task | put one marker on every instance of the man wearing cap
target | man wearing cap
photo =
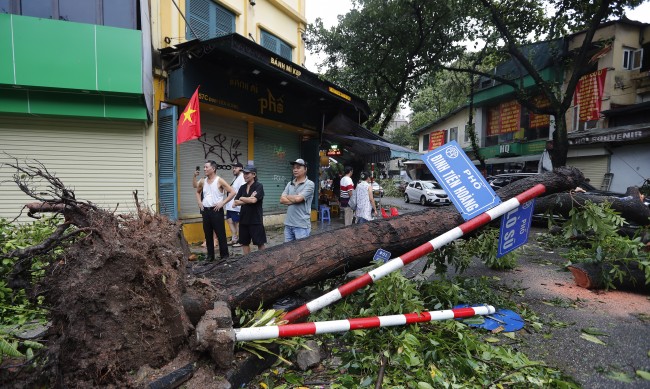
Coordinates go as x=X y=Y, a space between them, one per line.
x=298 y=196
x=249 y=198
x=232 y=211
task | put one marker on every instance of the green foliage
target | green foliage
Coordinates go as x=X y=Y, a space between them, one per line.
x=17 y=310
x=260 y=348
x=374 y=54
x=591 y=236
x=445 y=256
x=441 y=354
x=390 y=189
x=485 y=246
x=459 y=253
x=403 y=136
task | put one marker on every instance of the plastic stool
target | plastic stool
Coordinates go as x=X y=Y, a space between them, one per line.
x=324 y=213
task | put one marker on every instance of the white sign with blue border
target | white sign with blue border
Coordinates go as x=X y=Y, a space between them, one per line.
x=381 y=255
x=467 y=188
x=515 y=226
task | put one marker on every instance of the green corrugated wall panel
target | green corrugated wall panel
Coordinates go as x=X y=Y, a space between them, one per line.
x=21 y=101
x=14 y=101
x=54 y=54
x=119 y=53
x=48 y=53
x=125 y=107
x=51 y=103
x=6 y=52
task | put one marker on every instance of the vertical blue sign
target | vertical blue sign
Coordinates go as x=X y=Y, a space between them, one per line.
x=381 y=255
x=464 y=184
x=515 y=226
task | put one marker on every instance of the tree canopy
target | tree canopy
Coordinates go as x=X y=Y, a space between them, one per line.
x=388 y=51
x=383 y=50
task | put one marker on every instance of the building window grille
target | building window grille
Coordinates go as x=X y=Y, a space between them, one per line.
x=276 y=45
x=208 y=20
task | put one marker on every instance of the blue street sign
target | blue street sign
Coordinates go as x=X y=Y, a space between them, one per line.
x=465 y=185
x=515 y=226
x=382 y=255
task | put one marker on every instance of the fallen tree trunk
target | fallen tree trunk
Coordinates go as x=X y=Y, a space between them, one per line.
x=264 y=276
x=590 y=276
x=630 y=206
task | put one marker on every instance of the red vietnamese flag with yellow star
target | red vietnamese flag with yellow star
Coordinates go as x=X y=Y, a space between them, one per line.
x=189 y=123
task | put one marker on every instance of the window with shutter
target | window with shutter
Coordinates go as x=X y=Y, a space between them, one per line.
x=276 y=45
x=167 y=196
x=208 y=20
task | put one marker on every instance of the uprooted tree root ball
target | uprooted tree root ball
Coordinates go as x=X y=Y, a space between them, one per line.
x=115 y=292
x=116 y=300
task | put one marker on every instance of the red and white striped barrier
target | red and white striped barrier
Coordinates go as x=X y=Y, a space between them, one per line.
x=418 y=252
x=326 y=327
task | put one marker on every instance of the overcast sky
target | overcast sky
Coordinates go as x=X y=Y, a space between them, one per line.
x=328 y=10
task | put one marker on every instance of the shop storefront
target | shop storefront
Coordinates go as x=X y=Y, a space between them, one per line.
x=255 y=108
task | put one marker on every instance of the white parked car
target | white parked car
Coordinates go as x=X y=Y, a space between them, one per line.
x=426 y=192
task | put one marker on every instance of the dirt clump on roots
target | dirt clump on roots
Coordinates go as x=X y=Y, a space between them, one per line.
x=116 y=300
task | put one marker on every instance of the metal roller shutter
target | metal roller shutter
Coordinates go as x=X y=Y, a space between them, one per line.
x=274 y=149
x=102 y=161
x=593 y=168
x=225 y=142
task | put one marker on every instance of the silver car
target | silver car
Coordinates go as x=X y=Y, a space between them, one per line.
x=426 y=192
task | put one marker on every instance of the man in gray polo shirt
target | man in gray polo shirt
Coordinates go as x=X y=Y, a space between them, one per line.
x=298 y=196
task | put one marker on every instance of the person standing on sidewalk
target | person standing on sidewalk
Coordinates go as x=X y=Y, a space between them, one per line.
x=365 y=199
x=298 y=196
x=212 y=194
x=250 y=197
x=232 y=211
x=347 y=186
x=195 y=184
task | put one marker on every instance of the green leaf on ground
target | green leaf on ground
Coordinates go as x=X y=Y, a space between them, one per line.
x=643 y=374
x=510 y=335
x=492 y=339
x=474 y=320
x=592 y=339
x=620 y=376
x=593 y=331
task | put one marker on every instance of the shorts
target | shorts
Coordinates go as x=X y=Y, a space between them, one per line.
x=234 y=215
x=254 y=232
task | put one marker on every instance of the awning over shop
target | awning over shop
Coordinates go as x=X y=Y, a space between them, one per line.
x=237 y=74
x=362 y=143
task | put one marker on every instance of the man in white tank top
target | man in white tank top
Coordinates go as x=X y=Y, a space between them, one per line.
x=216 y=194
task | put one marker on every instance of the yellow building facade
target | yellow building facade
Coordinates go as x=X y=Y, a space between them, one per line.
x=258 y=104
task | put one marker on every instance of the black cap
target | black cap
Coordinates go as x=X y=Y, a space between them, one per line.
x=250 y=169
x=298 y=161
x=238 y=164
